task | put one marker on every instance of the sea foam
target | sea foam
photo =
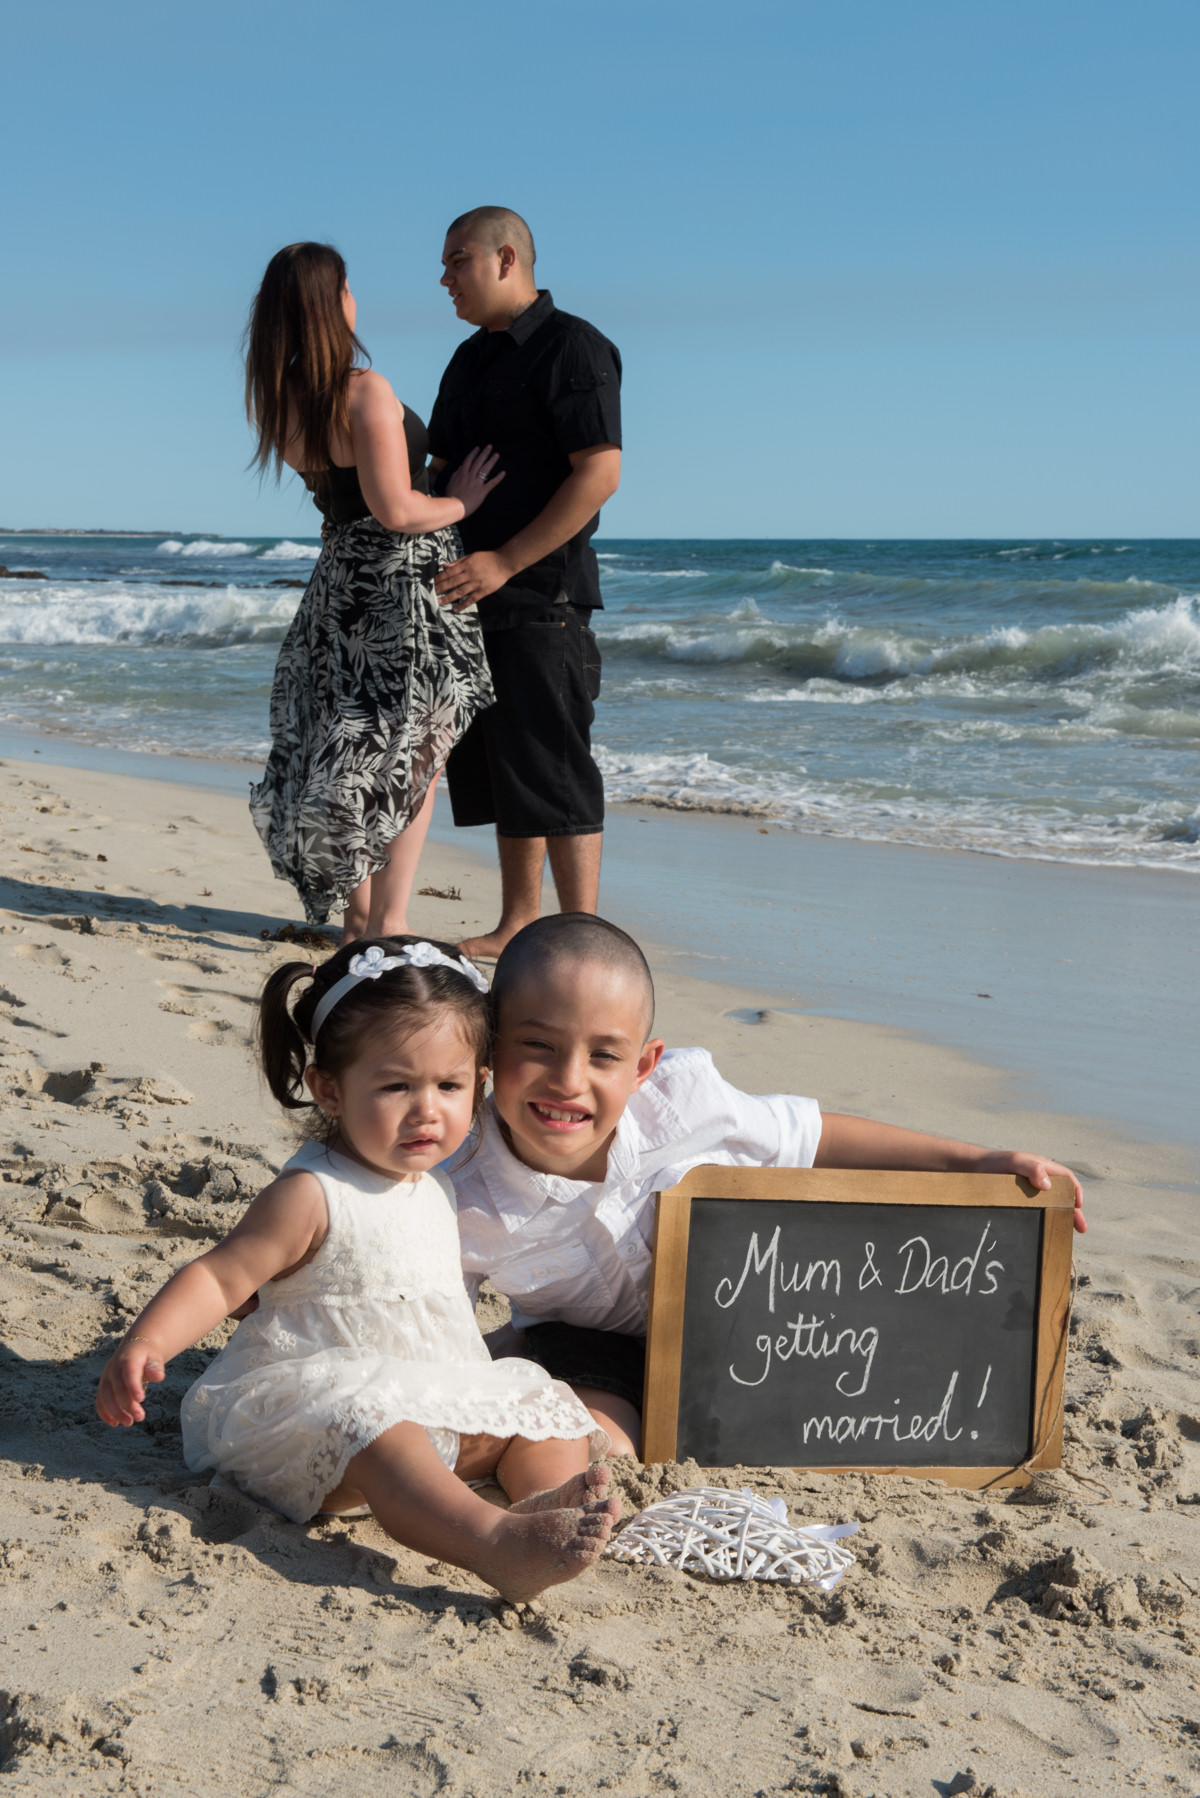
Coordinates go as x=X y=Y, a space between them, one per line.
x=202 y=547
x=59 y=615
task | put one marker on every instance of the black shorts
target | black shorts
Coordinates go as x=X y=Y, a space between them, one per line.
x=525 y=764
x=601 y=1358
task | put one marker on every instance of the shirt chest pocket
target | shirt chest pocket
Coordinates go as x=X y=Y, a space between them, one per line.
x=566 y=1264
x=509 y=406
x=635 y=1254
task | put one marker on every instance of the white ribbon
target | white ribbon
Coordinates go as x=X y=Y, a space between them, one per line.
x=373 y=962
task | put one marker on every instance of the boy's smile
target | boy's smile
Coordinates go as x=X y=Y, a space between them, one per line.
x=570 y=1050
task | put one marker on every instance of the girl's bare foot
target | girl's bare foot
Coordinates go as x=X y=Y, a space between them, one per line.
x=531 y=1551
x=581 y=1489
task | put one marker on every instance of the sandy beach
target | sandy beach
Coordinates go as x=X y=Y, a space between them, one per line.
x=159 y=1636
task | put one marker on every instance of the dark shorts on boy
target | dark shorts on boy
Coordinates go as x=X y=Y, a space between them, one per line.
x=600 y=1358
x=525 y=764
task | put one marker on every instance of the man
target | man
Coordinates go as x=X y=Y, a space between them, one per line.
x=543 y=388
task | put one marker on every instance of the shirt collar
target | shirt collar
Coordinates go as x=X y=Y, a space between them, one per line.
x=527 y=322
x=519 y=1192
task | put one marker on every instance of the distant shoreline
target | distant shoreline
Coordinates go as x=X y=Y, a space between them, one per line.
x=870 y=538
x=25 y=530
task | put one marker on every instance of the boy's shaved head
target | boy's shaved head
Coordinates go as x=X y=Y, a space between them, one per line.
x=493 y=225
x=566 y=939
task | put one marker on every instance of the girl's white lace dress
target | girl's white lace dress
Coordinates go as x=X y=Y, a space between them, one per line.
x=377 y=1329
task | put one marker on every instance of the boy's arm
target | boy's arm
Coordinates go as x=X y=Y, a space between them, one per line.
x=860 y=1142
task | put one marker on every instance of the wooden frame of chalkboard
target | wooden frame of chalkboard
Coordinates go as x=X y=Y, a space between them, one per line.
x=714 y=1413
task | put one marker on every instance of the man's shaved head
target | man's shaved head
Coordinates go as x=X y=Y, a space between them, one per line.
x=492 y=226
x=564 y=940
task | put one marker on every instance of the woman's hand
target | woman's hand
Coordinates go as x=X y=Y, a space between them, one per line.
x=123 y=1383
x=473 y=479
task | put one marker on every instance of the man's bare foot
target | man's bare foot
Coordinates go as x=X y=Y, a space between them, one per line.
x=530 y=1552
x=581 y=1489
x=487 y=948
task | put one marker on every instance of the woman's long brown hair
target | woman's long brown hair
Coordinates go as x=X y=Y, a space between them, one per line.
x=299 y=354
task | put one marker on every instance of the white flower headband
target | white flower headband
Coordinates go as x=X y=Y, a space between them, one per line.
x=373 y=962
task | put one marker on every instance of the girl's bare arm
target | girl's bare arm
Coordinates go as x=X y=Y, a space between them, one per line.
x=284 y=1227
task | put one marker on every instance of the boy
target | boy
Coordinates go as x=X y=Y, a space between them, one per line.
x=589 y=1117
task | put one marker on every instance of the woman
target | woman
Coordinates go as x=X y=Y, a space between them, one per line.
x=375 y=681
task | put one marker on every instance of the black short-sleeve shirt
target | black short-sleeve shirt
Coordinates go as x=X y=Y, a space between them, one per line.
x=546 y=386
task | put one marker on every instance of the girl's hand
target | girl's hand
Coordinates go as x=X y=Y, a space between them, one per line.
x=473 y=479
x=1039 y=1170
x=123 y=1383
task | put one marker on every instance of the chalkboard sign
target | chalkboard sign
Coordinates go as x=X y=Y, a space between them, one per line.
x=834 y=1319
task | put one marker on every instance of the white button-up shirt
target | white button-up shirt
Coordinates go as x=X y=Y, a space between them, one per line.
x=577 y=1251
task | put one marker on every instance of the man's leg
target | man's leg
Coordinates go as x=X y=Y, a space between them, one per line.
x=575 y=865
x=521 y=862
x=526 y=765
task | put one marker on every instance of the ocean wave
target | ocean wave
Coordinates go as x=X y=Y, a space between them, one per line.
x=203 y=547
x=1151 y=640
x=287 y=551
x=58 y=616
x=1157 y=834
x=816 y=692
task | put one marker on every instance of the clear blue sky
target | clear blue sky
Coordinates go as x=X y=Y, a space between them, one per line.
x=879 y=268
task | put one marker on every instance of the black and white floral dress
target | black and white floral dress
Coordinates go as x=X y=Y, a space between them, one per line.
x=374 y=685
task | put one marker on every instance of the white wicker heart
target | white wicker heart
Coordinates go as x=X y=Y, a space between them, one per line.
x=734 y=1535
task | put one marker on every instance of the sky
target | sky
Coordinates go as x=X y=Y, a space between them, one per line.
x=886 y=268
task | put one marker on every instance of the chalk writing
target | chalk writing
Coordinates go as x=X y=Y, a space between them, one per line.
x=777 y=1277
x=925 y=1271
x=932 y=1305
x=804 y=1341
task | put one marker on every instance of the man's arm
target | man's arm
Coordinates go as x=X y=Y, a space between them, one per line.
x=594 y=478
x=860 y=1142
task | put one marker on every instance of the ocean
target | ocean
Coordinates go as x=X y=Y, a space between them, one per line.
x=1031 y=699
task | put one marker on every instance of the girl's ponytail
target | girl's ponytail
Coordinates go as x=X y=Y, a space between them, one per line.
x=282 y=1045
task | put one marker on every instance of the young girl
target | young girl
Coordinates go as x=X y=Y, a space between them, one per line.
x=361 y=1378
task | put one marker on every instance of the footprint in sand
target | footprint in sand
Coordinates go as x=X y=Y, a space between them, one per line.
x=197 y=1001
x=186 y=1000
x=181 y=959
x=45 y=955
x=217 y=1030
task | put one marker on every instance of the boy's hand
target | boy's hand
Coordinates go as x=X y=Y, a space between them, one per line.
x=123 y=1383
x=1039 y=1170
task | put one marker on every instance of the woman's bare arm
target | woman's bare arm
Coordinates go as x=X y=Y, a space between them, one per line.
x=381 y=457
